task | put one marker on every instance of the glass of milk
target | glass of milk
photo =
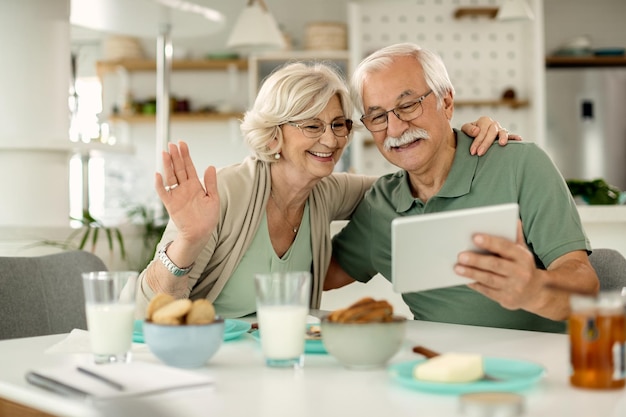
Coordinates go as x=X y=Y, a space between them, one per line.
x=282 y=300
x=110 y=308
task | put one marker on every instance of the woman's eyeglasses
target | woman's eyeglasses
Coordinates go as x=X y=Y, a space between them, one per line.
x=314 y=128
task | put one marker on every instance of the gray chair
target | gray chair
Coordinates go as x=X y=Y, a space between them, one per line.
x=43 y=295
x=610 y=265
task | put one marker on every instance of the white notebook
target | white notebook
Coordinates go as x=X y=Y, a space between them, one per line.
x=110 y=381
x=424 y=248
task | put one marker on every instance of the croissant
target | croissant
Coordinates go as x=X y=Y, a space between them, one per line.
x=364 y=310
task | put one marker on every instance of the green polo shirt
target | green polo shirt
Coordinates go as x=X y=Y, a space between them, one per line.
x=519 y=172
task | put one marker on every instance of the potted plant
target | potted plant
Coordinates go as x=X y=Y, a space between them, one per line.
x=594 y=192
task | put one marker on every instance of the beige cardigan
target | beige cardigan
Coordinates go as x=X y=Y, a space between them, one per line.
x=244 y=190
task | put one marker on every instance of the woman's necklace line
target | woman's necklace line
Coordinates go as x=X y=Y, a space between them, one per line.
x=294 y=228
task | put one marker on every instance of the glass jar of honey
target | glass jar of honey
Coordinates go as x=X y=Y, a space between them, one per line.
x=597 y=333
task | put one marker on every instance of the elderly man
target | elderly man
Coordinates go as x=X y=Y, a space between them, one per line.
x=407 y=103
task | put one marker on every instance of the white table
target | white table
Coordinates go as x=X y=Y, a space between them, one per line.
x=245 y=387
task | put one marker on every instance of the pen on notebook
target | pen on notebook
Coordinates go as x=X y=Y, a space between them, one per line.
x=101 y=378
x=54 y=385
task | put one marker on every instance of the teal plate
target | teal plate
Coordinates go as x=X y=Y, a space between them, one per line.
x=311 y=346
x=232 y=329
x=515 y=375
x=235 y=328
x=138 y=331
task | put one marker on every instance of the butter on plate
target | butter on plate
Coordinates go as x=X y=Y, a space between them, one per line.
x=451 y=368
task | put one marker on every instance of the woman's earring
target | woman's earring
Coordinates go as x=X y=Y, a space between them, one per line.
x=277 y=156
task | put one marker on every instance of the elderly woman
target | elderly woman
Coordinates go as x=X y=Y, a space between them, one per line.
x=272 y=211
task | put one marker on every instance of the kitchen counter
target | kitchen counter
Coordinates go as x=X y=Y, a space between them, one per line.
x=603 y=214
x=605 y=226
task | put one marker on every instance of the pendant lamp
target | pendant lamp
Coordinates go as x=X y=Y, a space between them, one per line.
x=514 y=10
x=255 y=30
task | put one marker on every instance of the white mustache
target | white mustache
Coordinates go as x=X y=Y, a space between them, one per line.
x=406 y=138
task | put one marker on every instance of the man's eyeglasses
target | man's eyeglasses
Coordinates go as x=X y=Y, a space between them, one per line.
x=411 y=110
x=314 y=128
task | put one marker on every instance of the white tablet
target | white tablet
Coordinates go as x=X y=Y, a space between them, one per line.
x=424 y=248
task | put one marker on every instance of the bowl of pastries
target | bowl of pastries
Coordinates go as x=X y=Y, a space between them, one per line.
x=181 y=332
x=364 y=335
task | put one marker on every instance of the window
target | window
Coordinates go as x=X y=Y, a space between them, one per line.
x=96 y=177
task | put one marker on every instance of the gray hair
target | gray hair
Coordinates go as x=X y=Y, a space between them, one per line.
x=435 y=73
x=295 y=91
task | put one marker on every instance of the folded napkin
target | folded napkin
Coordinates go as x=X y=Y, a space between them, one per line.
x=77 y=341
x=117 y=380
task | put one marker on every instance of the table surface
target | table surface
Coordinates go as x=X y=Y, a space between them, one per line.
x=245 y=387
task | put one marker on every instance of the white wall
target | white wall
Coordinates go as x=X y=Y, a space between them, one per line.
x=33 y=123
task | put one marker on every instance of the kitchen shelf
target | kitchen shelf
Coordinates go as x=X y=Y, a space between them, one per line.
x=176 y=117
x=136 y=65
x=488 y=12
x=585 y=61
x=513 y=103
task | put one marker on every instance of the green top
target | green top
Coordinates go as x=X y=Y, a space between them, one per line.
x=236 y=300
x=519 y=172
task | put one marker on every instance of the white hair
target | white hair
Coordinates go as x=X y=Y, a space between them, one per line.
x=435 y=73
x=295 y=91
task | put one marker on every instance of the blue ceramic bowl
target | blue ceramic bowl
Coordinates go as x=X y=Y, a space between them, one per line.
x=184 y=346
